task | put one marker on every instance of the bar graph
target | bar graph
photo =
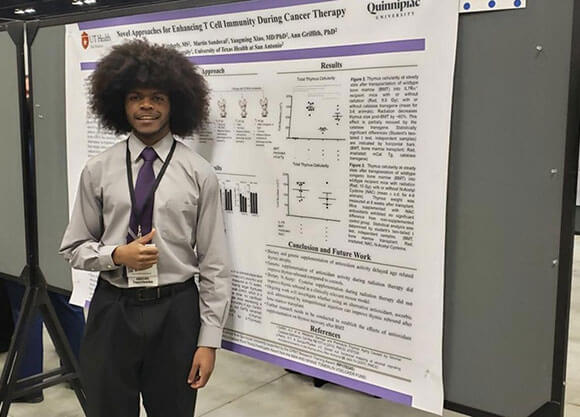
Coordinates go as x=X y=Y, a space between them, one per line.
x=243 y=204
x=238 y=194
x=254 y=203
x=228 y=204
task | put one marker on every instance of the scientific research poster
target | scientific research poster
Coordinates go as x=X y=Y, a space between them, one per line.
x=329 y=132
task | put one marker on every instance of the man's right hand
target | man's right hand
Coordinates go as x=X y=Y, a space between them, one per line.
x=136 y=255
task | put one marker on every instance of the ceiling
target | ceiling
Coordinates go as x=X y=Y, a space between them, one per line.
x=55 y=8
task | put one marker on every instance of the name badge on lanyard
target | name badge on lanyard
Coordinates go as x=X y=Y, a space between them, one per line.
x=148 y=277
x=144 y=278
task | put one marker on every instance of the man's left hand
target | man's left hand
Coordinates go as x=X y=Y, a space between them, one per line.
x=202 y=367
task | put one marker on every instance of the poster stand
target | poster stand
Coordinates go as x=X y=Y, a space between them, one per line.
x=471 y=388
x=36 y=299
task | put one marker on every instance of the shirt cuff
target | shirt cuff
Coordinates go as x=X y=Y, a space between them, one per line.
x=106 y=258
x=210 y=336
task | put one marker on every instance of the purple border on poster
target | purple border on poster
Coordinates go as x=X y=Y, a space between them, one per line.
x=319 y=373
x=408 y=45
x=238 y=7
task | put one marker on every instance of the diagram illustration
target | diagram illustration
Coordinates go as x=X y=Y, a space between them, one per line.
x=312 y=198
x=315 y=113
x=238 y=194
x=241 y=103
x=243 y=107
x=222 y=108
x=264 y=106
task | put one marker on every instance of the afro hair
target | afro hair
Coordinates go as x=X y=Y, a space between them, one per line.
x=139 y=64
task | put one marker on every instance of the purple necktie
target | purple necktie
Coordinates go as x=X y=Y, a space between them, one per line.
x=143 y=186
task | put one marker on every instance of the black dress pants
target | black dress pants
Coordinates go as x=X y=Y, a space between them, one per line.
x=136 y=347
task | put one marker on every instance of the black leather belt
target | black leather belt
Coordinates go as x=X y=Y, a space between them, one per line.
x=145 y=294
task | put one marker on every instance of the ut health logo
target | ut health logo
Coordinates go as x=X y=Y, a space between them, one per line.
x=85 y=40
x=399 y=7
x=98 y=40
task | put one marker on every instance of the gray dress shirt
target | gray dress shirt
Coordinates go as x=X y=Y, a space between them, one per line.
x=187 y=216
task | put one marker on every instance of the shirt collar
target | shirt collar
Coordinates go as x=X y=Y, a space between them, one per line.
x=162 y=147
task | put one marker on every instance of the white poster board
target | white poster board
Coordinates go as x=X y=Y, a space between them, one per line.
x=329 y=132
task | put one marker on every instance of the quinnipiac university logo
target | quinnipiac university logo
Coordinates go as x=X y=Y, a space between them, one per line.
x=392 y=9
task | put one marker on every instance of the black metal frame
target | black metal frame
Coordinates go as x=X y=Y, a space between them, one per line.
x=567 y=229
x=36 y=299
x=553 y=408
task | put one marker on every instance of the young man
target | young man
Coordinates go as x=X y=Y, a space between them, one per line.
x=148 y=217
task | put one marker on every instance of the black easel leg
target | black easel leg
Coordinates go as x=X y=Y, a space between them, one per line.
x=63 y=350
x=17 y=349
x=36 y=296
x=36 y=300
x=318 y=383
